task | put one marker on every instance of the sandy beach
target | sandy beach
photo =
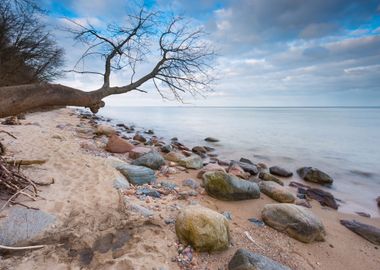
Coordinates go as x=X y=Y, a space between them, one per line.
x=93 y=229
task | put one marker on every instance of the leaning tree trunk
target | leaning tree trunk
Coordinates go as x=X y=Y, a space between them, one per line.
x=22 y=98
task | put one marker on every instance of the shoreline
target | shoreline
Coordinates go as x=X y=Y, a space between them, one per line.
x=83 y=190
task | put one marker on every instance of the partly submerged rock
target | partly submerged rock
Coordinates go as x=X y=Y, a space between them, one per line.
x=368 y=232
x=297 y=221
x=268 y=177
x=276 y=170
x=314 y=175
x=151 y=160
x=276 y=192
x=166 y=148
x=246 y=260
x=137 y=175
x=116 y=144
x=199 y=150
x=229 y=187
x=211 y=139
x=139 y=137
x=202 y=228
x=191 y=162
x=323 y=197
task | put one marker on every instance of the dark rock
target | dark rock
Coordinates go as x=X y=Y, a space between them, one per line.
x=223 y=162
x=369 y=232
x=298 y=185
x=174 y=139
x=378 y=201
x=246 y=260
x=151 y=160
x=363 y=214
x=139 y=137
x=228 y=187
x=211 y=139
x=149 y=131
x=257 y=222
x=186 y=153
x=13 y=120
x=148 y=192
x=268 y=177
x=314 y=175
x=298 y=222
x=323 y=197
x=166 y=148
x=238 y=171
x=247 y=167
x=276 y=170
x=199 y=150
x=137 y=175
x=246 y=160
x=209 y=149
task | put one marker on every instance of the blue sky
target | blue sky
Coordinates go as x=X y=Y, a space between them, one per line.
x=270 y=53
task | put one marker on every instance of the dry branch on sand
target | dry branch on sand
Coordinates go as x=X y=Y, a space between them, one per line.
x=13 y=183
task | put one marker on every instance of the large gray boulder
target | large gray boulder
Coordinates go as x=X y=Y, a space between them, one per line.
x=202 y=228
x=137 y=175
x=276 y=192
x=279 y=171
x=297 y=221
x=247 y=167
x=314 y=175
x=151 y=160
x=246 y=260
x=228 y=187
x=368 y=232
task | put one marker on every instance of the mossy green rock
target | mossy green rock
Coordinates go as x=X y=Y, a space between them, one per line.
x=296 y=221
x=276 y=192
x=202 y=228
x=228 y=187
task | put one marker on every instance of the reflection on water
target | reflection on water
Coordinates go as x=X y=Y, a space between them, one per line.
x=340 y=141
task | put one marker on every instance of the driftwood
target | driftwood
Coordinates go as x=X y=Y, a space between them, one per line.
x=26 y=162
x=21 y=248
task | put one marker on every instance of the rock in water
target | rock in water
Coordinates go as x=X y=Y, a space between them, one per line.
x=166 y=148
x=323 y=197
x=246 y=260
x=246 y=160
x=137 y=175
x=211 y=139
x=116 y=144
x=369 y=232
x=191 y=162
x=151 y=160
x=202 y=228
x=276 y=170
x=229 y=187
x=199 y=150
x=268 y=177
x=139 y=137
x=314 y=175
x=297 y=221
x=276 y=192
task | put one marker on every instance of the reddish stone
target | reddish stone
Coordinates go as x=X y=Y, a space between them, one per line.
x=118 y=145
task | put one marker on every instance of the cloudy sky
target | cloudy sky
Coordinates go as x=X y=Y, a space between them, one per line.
x=269 y=52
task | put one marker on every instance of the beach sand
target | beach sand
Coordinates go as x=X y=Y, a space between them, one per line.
x=88 y=211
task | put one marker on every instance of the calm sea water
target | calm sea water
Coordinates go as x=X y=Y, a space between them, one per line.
x=344 y=142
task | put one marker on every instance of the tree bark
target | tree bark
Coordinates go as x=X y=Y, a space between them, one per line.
x=22 y=98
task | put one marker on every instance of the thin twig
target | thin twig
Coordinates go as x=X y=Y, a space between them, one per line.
x=21 y=248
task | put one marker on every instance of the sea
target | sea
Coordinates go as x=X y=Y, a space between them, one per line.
x=341 y=141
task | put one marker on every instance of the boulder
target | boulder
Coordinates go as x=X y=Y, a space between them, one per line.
x=247 y=167
x=268 y=177
x=245 y=260
x=191 y=162
x=229 y=187
x=166 y=148
x=246 y=160
x=211 y=167
x=368 y=232
x=314 y=175
x=137 y=175
x=121 y=183
x=199 y=150
x=323 y=197
x=276 y=192
x=211 y=139
x=139 y=137
x=116 y=144
x=297 y=221
x=276 y=170
x=174 y=156
x=202 y=228
x=236 y=170
x=138 y=152
x=105 y=130
x=151 y=160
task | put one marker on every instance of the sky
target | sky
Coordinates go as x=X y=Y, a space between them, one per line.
x=269 y=52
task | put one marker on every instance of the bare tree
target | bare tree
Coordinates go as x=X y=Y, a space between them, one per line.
x=28 y=54
x=183 y=63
